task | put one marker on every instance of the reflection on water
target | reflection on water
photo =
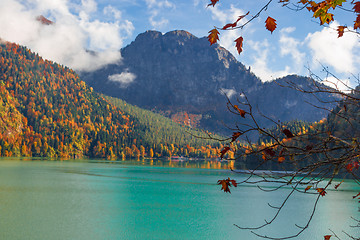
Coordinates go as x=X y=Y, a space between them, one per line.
x=150 y=199
x=162 y=162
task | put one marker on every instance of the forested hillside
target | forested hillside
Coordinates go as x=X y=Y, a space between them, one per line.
x=46 y=110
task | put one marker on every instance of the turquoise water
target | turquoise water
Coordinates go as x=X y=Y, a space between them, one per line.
x=105 y=200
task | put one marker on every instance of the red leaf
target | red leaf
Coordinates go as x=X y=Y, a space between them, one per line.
x=327 y=237
x=269 y=152
x=241 y=17
x=233 y=182
x=270 y=24
x=239 y=45
x=235 y=136
x=356 y=165
x=287 y=133
x=321 y=191
x=224 y=151
x=340 y=30
x=213 y=36
x=307 y=188
x=357 y=22
x=229 y=25
x=349 y=167
x=358 y=195
x=338 y=185
x=241 y=112
x=357 y=7
x=213 y=2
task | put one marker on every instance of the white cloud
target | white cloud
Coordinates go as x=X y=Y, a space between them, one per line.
x=343 y=54
x=261 y=60
x=228 y=92
x=156 y=7
x=65 y=41
x=124 y=79
x=111 y=10
x=290 y=46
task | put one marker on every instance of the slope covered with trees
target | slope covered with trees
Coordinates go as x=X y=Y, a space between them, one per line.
x=46 y=110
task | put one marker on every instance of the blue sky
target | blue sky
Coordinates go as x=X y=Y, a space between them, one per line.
x=105 y=26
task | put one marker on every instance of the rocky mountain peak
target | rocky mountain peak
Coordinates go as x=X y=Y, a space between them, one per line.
x=182 y=74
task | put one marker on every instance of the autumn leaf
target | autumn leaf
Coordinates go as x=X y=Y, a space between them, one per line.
x=224 y=151
x=357 y=7
x=213 y=2
x=340 y=30
x=281 y=159
x=241 y=17
x=357 y=22
x=270 y=24
x=349 y=167
x=239 y=44
x=287 y=133
x=327 y=237
x=338 y=185
x=213 y=36
x=356 y=165
x=269 y=151
x=326 y=18
x=233 y=182
x=229 y=25
x=226 y=184
x=321 y=191
x=304 y=1
x=235 y=136
x=307 y=188
x=285 y=2
x=241 y=112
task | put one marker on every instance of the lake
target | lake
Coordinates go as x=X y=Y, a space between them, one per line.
x=93 y=199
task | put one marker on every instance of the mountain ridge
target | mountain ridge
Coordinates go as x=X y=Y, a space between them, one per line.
x=178 y=72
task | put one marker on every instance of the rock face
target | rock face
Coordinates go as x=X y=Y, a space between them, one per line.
x=177 y=73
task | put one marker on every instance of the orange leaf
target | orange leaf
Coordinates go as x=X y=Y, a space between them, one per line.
x=281 y=159
x=288 y=133
x=327 y=237
x=226 y=184
x=239 y=44
x=242 y=112
x=213 y=36
x=270 y=24
x=357 y=7
x=213 y=2
x=235 y=136
x=307 y=188
x=321 y=191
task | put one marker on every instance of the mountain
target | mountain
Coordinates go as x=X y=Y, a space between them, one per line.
x=184 y=78
x=47 y=111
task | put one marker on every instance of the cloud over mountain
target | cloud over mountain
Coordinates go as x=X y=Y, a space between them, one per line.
x=73 y=33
